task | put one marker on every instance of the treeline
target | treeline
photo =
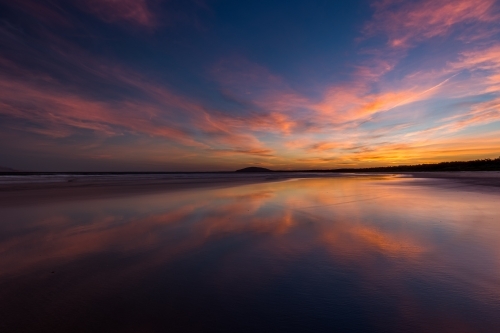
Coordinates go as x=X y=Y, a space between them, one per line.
x=477 y=165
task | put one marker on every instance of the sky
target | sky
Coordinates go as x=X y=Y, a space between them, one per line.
x=216 y=85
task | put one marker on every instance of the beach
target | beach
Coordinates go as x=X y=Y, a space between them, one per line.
x=371 y=252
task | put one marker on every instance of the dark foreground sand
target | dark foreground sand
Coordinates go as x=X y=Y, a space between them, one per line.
x=35 y=191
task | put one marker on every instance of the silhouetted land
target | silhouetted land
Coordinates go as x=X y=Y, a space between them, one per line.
x=476 y=165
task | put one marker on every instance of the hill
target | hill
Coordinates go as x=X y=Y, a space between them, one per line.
x=254 y=169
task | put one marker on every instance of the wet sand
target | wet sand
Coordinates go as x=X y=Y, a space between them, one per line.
x=40 y=193
x=25 y=190
x=40 y=189
x=345 y=252
x=481 y=178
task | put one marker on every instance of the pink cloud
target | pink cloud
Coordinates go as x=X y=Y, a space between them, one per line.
x=138 y=12
x=405 y=22
x=48 y=13
x=56 y=110
x=481 y=59
x=59 y=112
x=480 y=114
x=484 y=67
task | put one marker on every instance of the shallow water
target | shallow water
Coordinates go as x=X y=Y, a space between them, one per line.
x=353 y=254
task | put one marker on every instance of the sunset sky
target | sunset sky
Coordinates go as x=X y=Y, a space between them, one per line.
x=206 y=85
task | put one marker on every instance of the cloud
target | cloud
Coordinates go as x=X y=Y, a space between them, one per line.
x=46 y=11
x=484 y=59
x=354 y=122
x=61 y=113
x=137 y=12
x=483 y=65
x=322 y=146
x=480 y=114
x=407 y=22
x=39 y=101
x=255 y=152
x=270 y=104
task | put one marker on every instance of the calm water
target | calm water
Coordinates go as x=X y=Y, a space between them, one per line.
x=311 y=255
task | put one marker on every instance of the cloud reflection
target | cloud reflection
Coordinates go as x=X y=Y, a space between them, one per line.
x=380 y=231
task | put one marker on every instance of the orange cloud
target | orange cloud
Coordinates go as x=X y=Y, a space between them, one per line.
x=322 y=146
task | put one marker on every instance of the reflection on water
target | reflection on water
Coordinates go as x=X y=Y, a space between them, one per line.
x=334 y=254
